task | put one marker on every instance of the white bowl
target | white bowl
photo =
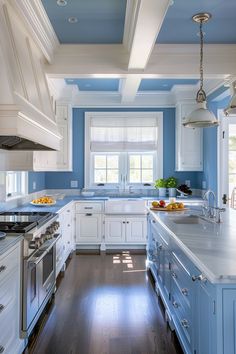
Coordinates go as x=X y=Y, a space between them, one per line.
x=87 y=194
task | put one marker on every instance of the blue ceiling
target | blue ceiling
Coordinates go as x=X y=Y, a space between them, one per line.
x=95 y=84
x=163 y=84
x=113 y=84
x=99 y=21
x=178 y=26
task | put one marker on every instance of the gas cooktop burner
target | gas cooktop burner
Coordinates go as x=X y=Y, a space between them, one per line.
x=16 y=227
x=22 y=221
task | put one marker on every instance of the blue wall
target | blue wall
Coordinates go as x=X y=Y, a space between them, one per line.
x=38 y=178
x=62 y=179
x=210 y=141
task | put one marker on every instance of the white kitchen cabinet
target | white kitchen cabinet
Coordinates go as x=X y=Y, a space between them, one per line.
x=88 y=228
x=189 y=141
x=10 y=301
x=115 y=229
x=88 y=222
x=136 y=229
x=65 y=244
x=58 y=160
x=122 y=229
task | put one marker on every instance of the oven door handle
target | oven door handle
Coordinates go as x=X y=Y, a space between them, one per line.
x=35 y=261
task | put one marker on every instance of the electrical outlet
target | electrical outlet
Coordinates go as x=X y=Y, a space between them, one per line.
x=204 y=185
x=34 y=185
x=187 y=182
x=74 y=184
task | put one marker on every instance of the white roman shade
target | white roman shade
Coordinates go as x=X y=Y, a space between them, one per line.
x=123 y=134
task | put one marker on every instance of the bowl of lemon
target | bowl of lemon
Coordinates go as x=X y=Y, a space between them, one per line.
x=43 y=201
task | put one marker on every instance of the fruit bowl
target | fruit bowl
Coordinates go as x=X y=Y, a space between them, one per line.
x=43 y=201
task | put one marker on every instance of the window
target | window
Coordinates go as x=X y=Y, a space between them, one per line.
x=123 y=149
x=106 y=168
x=16 y=184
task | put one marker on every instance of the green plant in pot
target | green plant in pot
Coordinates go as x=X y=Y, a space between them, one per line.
x=160 y=184
x=171 y=184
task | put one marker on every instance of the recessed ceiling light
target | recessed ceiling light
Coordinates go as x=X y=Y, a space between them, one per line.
x=72 y=19
x=61 y=2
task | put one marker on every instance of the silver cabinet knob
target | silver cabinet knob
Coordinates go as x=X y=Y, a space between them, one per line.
x=175 y=304
x=2 y=268
x=184 y=323
x=1 y=349
x=184 y=291
x=199 y=277
x=174 y=275
x=2 y=307
x=160 y=247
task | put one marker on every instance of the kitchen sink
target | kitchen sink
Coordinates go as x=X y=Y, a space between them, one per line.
x=190 y=220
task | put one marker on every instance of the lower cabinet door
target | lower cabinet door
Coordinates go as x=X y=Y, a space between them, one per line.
x=206 y=321
x=115 y=229
x=229 y=321
x=136 y=230
x=88 y=228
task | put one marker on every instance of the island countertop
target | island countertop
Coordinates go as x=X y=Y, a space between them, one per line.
x=210 y=246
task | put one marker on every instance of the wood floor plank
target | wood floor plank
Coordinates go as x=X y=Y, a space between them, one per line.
x=106 y=304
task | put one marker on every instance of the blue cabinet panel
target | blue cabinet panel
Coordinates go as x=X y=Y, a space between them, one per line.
x=229 y=321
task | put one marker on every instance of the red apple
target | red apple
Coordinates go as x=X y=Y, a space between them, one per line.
x=162 y=203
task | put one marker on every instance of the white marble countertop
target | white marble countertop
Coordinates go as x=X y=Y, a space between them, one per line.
x=210 y=246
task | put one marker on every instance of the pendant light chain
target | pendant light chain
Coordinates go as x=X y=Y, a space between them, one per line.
x=201 y=57
x=201 y=95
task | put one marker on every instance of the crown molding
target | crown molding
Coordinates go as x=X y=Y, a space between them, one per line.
x=35 y=16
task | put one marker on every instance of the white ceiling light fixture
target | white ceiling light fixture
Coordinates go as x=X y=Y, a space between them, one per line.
x=231 y=109
x=201 y=117
x=73 y=19
x=61 y=2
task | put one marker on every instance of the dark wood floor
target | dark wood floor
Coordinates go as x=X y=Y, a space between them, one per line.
x=106 y=305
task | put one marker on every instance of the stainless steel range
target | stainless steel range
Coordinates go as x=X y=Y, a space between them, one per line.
x=40 y=231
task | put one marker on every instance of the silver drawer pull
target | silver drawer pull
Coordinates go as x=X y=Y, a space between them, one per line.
x=1 y=349
x=2 y=268
x=88 y=207
x=199 y=277
x=184 y=291
x=174 y=275
x=2 y=307
x=175 y=304
x=184 y=323
x=88 y=214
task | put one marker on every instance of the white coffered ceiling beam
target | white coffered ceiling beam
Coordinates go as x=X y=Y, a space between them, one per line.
x=143 y=27
x=166 y=61
x=130 y=87
x=35 y=17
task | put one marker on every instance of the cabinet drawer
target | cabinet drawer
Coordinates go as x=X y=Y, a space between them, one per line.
x=88 y=208
x=182 y=313
x=182 y=278
x=8 y=264
x=7 y=293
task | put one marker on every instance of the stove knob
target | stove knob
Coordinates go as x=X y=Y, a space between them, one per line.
x=32 y=245
x=49 y=235
x=37 y=242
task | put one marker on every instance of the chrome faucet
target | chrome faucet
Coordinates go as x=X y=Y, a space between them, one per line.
x=211 y=211
x=207 y=207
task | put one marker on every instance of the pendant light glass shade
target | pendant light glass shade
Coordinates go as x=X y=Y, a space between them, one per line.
x=201 y=117
x=231 y=109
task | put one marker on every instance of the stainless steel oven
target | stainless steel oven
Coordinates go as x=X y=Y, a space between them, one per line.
x=40 y=231
x=39 y=271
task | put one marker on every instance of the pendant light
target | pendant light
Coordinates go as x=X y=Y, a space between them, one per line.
x=201 y=117
x=231 y=109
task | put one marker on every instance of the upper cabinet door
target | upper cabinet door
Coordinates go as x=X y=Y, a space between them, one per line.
x=189 y=142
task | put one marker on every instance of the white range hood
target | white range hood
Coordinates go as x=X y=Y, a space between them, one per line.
x=27 y=120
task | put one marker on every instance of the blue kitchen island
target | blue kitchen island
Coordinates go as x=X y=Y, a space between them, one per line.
x=193 y=263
